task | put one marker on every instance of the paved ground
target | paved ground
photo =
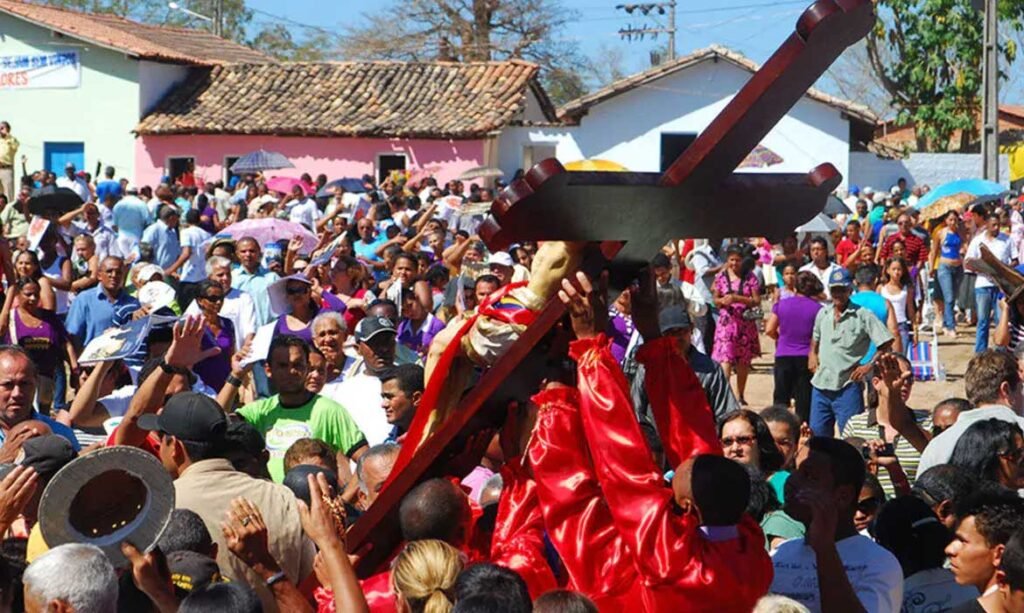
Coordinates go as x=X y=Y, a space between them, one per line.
x=954 y=353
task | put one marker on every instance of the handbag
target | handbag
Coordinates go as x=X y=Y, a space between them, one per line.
x=751 y=313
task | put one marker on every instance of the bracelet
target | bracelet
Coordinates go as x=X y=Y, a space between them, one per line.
x=276 y=577
x=233 y=380
x=167 y=368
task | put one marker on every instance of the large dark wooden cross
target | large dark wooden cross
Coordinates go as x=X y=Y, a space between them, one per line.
x=629 y=216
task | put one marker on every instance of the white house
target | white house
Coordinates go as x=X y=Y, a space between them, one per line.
x=74 y=85
x=644 y=121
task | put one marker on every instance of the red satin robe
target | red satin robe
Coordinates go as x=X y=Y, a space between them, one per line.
x=518 y=541
x=678 y=568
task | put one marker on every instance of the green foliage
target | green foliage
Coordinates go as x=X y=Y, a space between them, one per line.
x=928 y=56
x=275 y=39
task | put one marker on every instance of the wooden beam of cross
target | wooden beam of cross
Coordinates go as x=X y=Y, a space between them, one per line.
x=628 y=217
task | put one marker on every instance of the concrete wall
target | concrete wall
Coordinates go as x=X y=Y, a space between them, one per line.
x=101 y=112
x=335 y=157
x=627 y=128
x=934 y=169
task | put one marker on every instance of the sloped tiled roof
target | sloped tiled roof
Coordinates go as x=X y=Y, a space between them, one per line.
x=572 y=111
x=162 y=43
x=375 y=99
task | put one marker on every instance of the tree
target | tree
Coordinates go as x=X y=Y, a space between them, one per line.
x=273 y=39
x=927 y=55
x=472 y=30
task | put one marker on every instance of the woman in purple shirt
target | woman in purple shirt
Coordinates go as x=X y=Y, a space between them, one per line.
x=418 y=327
x=791 y=324
x=219 y=333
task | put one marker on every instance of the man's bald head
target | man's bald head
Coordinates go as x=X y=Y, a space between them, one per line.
x=435 y=509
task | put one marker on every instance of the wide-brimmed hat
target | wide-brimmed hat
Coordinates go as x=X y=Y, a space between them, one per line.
x=105 y=498
x=278 y=296
x=1006 y=277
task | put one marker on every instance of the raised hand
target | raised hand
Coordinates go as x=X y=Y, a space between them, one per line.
x=246 y=534
x=644 y=303
x=16 y=490
x=318 y=519
x=152 y=576
x=185 y=350
x=586 y=306
x=889 y=378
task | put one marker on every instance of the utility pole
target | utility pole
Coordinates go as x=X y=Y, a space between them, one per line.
x=990 y=95
x=667 y=9
x=218 y=17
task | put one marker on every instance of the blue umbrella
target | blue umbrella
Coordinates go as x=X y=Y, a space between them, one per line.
x=351 y=185
x=980 y=189
x=261 y=160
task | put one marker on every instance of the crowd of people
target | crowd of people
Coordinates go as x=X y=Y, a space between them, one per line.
x=636 y=475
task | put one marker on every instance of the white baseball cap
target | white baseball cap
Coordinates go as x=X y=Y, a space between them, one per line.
x=501 y=258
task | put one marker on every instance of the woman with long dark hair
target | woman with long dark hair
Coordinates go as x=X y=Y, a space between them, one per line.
x=991 y=450
x=736 y=339
x=898 y=288
x=745 y=438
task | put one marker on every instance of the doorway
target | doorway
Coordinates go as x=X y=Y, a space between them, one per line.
x=58 y=155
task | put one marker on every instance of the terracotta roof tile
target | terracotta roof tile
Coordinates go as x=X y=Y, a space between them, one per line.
x=575 y=109
x=143 y=40
x=382 y=99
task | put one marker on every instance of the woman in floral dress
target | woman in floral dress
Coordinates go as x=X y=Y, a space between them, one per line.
x=736 y=341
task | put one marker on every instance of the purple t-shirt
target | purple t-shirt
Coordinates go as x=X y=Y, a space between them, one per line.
x=44 y=344
x=796 y=325
x=620 y=330
x=419 y=340
x=214 y=370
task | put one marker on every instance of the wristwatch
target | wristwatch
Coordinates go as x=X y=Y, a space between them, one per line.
x=278 y=576
x=167 y=368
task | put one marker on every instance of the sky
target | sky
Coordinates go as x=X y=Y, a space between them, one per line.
x=754 y=28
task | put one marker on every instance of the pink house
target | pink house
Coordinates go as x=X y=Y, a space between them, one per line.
x=340 y=119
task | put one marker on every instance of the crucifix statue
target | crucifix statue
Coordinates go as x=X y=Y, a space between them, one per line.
x=614 y=221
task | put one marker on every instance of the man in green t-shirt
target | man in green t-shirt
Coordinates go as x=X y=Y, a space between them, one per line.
x=295 y=413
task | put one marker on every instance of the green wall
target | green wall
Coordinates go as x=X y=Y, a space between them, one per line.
x=101 y=112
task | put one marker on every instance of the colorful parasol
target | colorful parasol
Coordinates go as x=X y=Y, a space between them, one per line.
x=761 y=157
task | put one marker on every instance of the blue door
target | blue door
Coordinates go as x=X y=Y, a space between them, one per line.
x=57 y=155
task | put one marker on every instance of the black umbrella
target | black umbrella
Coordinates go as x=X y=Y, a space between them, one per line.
x=53 y=199
x=261 y=160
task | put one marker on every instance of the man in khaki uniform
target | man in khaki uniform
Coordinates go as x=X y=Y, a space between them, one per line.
x=8 y=149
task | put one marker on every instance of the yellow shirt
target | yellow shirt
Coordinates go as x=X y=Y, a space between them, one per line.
x=8 y=149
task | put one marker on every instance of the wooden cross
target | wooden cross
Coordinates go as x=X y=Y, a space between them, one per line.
x=629 y=216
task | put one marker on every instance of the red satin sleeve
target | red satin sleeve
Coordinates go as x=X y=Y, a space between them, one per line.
x=518 y=542
x=576 y=515
x=681 y=411
x=635 y=490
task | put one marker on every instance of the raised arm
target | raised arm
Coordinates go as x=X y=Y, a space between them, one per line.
x=576 y=515
x=637 y=496
x=888 y=382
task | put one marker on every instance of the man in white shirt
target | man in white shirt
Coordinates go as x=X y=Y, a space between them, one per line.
x=75 y=183
x=993 y=386
x=820 y=265
x=193 y=242
x=833 y=566
x=375 y=341
x=303 y=210
x=238 y=305
x=985 y=291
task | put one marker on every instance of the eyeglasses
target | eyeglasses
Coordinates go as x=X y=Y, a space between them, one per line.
x=868 y=505
x=296 y=291
x=745 y=441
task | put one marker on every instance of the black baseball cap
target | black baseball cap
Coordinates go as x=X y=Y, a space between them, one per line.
x=368 y=327
x=191 y=571
x=47 y=454
x=190 y=417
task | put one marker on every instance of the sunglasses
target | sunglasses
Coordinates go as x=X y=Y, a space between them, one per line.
x=296 y=291
x=214 y=298
x=729 y=441
x=868 y=505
